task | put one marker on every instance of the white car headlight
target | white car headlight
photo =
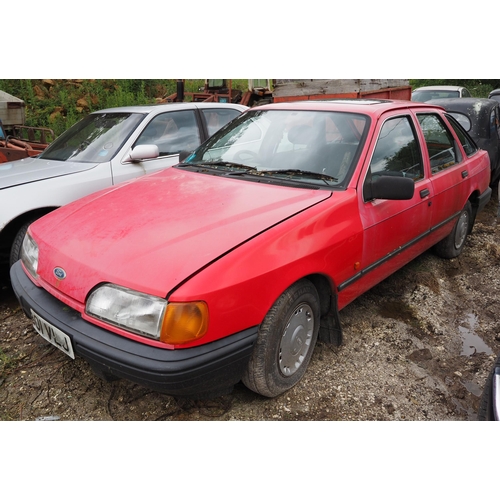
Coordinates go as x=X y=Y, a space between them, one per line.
x=29 y=255
x=134 y=311
x=169 y=322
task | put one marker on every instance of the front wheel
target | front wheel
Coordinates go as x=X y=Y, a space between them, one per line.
x=285 y=341
x=453 y=244
x=17 y=244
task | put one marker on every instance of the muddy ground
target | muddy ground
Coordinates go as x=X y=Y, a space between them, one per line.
x=418 y=346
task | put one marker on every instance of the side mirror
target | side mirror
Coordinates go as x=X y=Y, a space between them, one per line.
x=389 y=187
x=144 y=152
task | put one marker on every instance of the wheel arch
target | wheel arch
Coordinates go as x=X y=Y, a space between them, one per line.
x=10 y=230
x=330 y=331
x=474 y=199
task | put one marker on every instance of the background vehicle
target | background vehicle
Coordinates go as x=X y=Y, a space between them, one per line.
x=269 y=91
x=424 y=94
x=489 y=408
x=494 y=94
x=17 y=140
x=105 y=148
x=481 y=119
x=231 y=265
x=300 y=90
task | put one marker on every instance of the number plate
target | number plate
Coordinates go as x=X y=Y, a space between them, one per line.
x=53 y=335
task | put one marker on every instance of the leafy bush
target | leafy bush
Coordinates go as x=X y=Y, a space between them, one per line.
x=58 y=104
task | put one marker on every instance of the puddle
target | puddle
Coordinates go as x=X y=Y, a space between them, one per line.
x=472 y=387
x=472 y=342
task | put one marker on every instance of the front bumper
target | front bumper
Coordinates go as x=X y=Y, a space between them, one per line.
x=202 y=371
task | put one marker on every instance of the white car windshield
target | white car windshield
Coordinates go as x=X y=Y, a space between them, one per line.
x=321 y=145
x=428 y=95
x=95 y=139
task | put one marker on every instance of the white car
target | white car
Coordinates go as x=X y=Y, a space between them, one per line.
x=424 y=94
x=105 y=148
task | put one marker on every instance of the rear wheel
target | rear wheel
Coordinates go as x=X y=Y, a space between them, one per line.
x=453 y=244
x=285 y=341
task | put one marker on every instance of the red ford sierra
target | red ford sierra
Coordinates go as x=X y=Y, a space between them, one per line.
x=232 y=264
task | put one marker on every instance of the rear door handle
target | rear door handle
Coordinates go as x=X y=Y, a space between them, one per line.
x=465 y=174
x=424 y=193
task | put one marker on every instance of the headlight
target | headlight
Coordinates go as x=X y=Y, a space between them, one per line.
x=29 y=255
x=147 y=315
x=133 y=311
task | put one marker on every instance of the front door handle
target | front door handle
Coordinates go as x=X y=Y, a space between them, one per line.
x=424 y=193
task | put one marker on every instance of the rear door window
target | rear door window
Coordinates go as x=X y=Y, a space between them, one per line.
x=215 y=119
x=469 y=147
x=440 y=143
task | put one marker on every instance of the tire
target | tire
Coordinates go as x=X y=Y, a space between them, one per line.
x=486 y=411
x=452 y=246
x=17 y=244
x=285 y=341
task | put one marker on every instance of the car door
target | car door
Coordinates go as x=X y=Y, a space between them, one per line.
x=393 y=230
x=172 y=132
x=448 y=168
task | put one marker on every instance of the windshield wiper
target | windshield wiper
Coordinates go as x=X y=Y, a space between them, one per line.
x=228 y=167
x=233 y=168
x=301 y=173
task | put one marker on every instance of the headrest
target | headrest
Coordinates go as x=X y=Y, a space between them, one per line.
x=302 y=134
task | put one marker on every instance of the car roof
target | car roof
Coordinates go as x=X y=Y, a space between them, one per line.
x=440 y=87
x=171 y=106
x=477 y=110
x=373 y=107
x=465 y=104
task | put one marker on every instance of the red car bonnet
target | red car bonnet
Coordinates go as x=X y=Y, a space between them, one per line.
x=155 y=232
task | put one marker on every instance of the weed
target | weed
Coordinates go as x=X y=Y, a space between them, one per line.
x=7 y=363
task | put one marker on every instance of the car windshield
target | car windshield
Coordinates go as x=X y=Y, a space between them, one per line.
x=95 y=139
x=318 y=147
x=427 y=95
